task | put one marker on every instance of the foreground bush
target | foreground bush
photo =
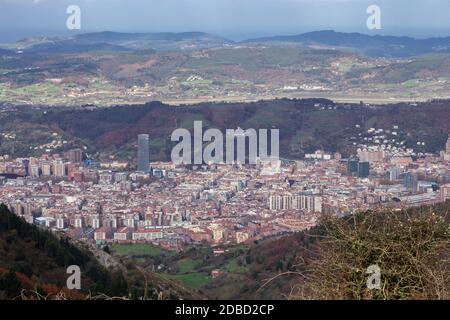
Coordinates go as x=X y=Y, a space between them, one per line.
x=411 y=248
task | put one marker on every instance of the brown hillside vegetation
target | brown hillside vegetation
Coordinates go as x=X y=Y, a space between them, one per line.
x=411 y=248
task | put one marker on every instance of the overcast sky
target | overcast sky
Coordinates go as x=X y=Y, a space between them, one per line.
x=235 y=19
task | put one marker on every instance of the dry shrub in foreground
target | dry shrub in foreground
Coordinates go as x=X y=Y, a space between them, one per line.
x=410 y=247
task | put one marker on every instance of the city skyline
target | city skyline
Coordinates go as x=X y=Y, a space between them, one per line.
x=64 y=193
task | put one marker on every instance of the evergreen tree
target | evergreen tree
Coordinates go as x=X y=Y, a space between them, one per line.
x=10 y=284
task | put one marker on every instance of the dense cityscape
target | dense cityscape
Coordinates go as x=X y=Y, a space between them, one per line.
x=220 y=158
x=173 y=205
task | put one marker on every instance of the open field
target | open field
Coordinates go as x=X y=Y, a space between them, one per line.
x=138 y=250
x=191 y=280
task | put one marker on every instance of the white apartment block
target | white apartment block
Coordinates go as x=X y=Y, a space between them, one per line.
x=309 y=203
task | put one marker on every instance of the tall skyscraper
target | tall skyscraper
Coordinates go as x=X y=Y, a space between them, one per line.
x=143 y=153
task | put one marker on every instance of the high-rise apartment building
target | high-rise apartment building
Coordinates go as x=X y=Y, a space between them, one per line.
x=59 y=169
x=74 y=156
x=34 y=171
x=309 y=203
x=46 y=169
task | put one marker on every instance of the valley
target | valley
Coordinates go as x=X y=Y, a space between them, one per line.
x=108 y=69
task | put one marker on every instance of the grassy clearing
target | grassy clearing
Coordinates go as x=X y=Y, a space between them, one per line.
x=192 y=280
x=138 y=250
x=186 y=265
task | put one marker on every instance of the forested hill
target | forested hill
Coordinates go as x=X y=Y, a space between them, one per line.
x=34 y=263
x=305 y=126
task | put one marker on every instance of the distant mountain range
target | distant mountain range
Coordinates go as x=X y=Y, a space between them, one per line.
x=374 y=46
x=117 y=41
x=378 y=46
x=5 y=52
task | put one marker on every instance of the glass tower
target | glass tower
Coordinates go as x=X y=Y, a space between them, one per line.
x=143 y=153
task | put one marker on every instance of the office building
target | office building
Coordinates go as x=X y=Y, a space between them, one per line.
x=26 y=165
x=363 y=169
x=352 y=166
x=411 y=182
x=143 y=153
